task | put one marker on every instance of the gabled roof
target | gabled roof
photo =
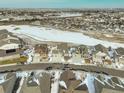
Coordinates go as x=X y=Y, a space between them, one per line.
x=109 y=83
x=67 y=75
x=74 y=84
x=120 y=51
x=9 y=46
x=1 y=89
x=100 y=47
x=116 y=80
x=81 y=86
x=45 y=83
x=29 y=89
x=100 y=77
x=69 y=79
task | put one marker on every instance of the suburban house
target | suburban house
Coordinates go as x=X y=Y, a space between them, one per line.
x=78 y=59
x=55 y=56
x=121 y=59
x=9 y=51
x=100 y=47
x=113 y=54
x=8 y=82
x=120 y=52
x=62 y=46
x=100 y=57
x=32 y=84
x=42 y=49
x=10 y=45
x=69 y=84
x=108 y=85
x=45 y=83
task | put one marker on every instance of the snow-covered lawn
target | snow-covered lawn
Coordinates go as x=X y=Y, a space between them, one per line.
x=30 y=54
x=50 y=34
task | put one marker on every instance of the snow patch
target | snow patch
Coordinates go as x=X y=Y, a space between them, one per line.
x=44 y=34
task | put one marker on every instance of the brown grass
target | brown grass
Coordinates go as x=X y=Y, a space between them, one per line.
x=14 y=61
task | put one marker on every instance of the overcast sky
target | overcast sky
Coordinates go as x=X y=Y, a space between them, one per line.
x=62 y=3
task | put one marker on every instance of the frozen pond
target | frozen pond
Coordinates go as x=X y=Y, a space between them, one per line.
x=50 y=34
x=70 y=14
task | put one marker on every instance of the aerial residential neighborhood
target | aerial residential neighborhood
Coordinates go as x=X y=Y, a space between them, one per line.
x=67 y=46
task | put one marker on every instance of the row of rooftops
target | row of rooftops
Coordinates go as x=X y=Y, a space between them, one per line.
x=64 y=52
x=64 y=82
x=64 y=47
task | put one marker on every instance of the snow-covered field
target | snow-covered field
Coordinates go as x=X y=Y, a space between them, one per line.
x=70 y=14
x=50 y=34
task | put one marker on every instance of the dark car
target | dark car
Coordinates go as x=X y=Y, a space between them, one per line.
x=49 y=68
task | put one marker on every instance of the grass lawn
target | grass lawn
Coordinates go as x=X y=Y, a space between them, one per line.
x=14 y=61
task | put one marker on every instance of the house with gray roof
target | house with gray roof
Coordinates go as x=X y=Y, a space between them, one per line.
x=8 y=84
x=10 y=45
x=36 y=84
x=69 y=84
x=108 y=85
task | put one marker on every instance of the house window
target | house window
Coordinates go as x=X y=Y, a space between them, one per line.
x=10 y=51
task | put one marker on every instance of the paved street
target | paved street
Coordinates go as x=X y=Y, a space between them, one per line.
x=60 y=66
